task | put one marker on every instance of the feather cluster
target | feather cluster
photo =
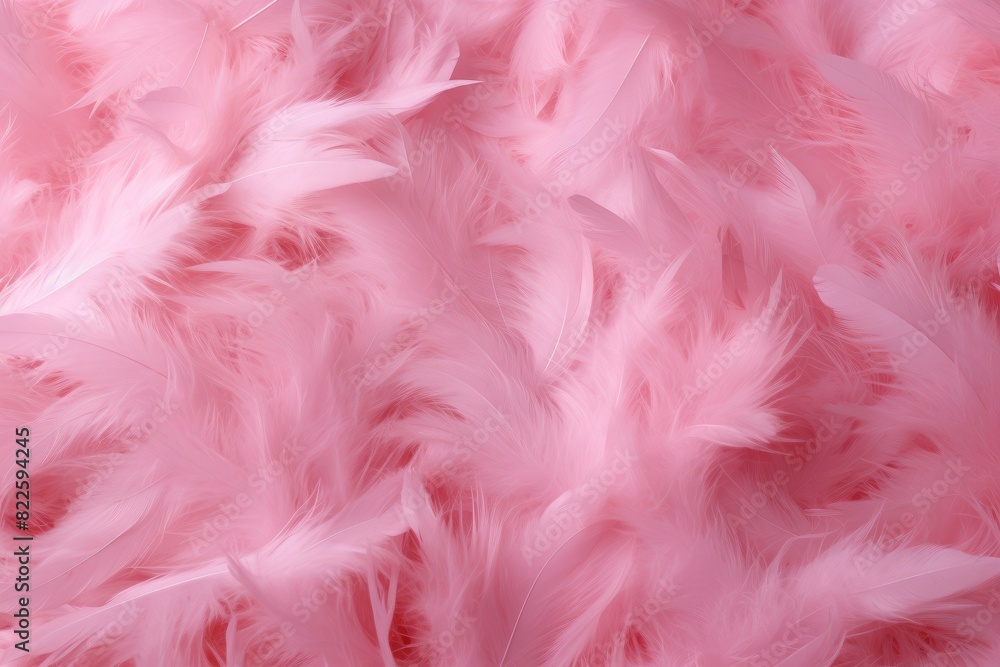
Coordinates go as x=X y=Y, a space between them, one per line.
x=502 y=333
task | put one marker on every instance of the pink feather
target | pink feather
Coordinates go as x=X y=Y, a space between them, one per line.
x=476 y=333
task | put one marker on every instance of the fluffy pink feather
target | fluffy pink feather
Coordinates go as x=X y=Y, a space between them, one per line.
x=484 y=333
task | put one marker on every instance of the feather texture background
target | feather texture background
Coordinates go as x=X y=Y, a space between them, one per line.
x=475 y=332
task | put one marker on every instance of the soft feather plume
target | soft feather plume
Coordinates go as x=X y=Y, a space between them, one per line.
x=511 y=334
